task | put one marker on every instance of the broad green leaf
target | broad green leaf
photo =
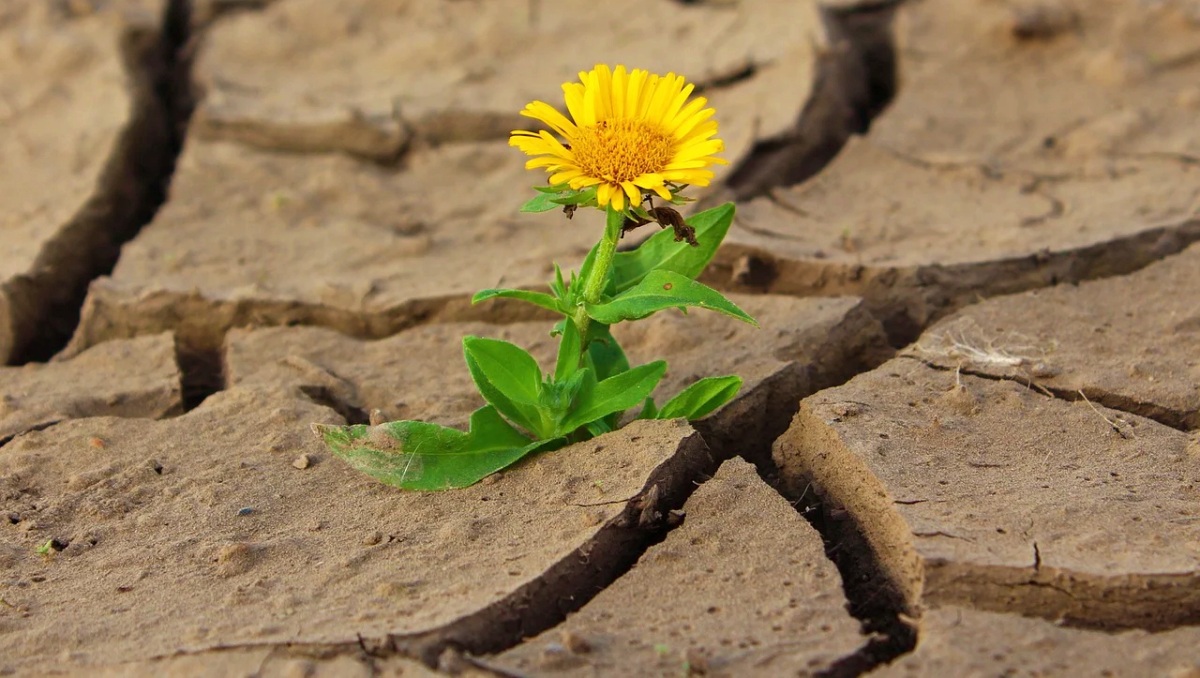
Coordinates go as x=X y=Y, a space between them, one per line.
x=508 y=378
x=661 y=290
x=661 y=252
x=536 y=298
x=416 y=455
x=701 y=398
x=542 y=202
x=615 y=394
x=560 y=188
x=570 y=349
x=605 y=353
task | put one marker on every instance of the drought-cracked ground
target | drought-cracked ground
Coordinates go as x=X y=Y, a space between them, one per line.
x=969 y=440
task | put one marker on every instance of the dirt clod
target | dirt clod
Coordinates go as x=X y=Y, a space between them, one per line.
x=234 y=559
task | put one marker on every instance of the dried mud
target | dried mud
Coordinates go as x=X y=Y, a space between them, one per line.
x=968 y=440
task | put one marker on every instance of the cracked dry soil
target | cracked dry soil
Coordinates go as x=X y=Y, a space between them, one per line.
x=969 y=439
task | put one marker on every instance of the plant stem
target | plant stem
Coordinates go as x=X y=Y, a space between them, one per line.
x=593 y=287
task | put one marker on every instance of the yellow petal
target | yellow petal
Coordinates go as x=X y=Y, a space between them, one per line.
x=584 y=182
x=661 y=98
x=649 y=180
x=564 y=177
x=604 y=194
x=633 y=101
x=682 y=165
x=618 y=198
x=539 y=110
x=697 y=150
x=573 y=96
x=688 y=125
x=684 y=115
x=635 y=195
x=544 y=161
x=677 y=103
x=603 y=83
x=620 y=88
x=698 y=177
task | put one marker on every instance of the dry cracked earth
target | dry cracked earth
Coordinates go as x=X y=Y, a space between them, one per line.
x=969 y=441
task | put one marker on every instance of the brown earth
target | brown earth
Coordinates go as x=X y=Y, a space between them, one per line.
x=942 y=480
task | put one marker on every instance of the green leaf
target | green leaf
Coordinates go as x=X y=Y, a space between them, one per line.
x=661 y=252
x=599 y=427
x=585 y=270
x=613 y=395
x=542 y=202
x=536 y=298
x=605 y=354
x=581 y=197
x=416 y=455
x=701 y=398
x=508 y=378
x=560 y=188
x=649 y=409
x=661 y=290
x=570 y=348
x=558 y=286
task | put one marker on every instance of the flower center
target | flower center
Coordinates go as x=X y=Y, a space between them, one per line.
x=618 y=149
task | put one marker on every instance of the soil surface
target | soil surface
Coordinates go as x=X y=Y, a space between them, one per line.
x=968 y=442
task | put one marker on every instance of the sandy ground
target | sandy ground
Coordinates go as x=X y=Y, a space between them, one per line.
x=969 y=437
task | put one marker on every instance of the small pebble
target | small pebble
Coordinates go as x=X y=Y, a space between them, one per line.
x=373 y=538
x=97 y=443
x=245 y=510
x=302 y=462
x=575 y=643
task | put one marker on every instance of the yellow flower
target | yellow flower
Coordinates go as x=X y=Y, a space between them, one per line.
x=627 y=132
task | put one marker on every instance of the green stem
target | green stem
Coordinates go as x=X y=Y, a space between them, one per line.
x=593 y=287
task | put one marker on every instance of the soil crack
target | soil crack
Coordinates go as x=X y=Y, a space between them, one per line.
x=132 y=188
x=1181 y=420
x=855 y=82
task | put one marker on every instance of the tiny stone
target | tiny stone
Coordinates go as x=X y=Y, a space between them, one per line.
x=696 y=661
x=302 y=462
x=245 y=510
x=492 y=479
x=373 y=538
x=97 y=443
x=575 y=643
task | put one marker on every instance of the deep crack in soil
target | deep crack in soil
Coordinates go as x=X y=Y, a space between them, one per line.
x=853 y=86
x=871 y=597
x=132 y=188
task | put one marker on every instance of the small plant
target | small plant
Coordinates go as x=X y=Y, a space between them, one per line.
x=47 y=550
x=633 y=137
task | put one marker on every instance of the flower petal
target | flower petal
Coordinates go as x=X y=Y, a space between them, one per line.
x=540 y=110
x=634 y=193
